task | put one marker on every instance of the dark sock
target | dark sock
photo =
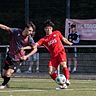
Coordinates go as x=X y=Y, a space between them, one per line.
x=6 y=80
x=2 y=76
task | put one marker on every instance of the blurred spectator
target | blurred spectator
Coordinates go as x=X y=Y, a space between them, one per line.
x=34 y=59
x=74 y=37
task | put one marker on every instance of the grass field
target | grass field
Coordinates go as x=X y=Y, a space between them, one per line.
x=46 y=87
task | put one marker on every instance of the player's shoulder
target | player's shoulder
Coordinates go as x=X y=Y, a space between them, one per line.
x=77 y=33
x=56 y=32
x=15 y=30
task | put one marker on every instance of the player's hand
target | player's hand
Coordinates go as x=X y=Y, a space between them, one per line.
x=22 y=48
x=23 y=58
x=70 y=40
x=71 y=44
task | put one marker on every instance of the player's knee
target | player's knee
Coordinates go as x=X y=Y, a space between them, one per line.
x=64 y=64
x=9 y=73
x=51 y=72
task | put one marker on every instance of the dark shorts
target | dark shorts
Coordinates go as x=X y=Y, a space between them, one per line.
x=10 y=64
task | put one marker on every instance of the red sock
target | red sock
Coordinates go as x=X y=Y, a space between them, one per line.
x=53 y=76
x=66 y=73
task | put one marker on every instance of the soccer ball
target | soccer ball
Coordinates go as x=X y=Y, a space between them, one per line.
x=60 y=79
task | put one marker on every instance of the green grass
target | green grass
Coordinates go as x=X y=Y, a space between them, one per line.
x=46 y=87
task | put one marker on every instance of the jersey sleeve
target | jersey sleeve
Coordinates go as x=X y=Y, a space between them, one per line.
x=59 y=34
x=31 y=41
x=14 y=29
x=40 y=42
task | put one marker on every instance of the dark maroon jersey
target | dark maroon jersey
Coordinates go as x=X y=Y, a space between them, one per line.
x=17 y=41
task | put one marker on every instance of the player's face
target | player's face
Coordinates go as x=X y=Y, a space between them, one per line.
x=73 y=29
x=48 y=30
x=29 y=31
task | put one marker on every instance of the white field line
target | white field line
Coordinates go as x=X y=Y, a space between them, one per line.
x=82 y=89
x=37 y=90
x=29 y=80
x=26 y=90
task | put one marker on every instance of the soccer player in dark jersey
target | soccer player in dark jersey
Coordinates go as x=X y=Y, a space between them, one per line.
x=19 y=39
x=52 y=41
x=73 y=37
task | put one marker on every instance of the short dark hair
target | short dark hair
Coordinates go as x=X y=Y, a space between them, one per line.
x=48 y=22
x=73 y=26
x=30 y=24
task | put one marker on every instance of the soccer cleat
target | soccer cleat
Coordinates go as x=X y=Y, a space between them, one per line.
x=64 y=86
x=2 y=87
x=67 y=82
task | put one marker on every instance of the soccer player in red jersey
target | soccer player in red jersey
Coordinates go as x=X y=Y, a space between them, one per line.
x=52 y=41
x=19 y=39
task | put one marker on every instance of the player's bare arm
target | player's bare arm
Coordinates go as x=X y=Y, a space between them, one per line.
x=66 y=41
x=34 y=50
x=4 y=27
x=26 y=48
x=35 y=45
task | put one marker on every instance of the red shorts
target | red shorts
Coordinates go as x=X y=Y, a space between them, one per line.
x=55 y=61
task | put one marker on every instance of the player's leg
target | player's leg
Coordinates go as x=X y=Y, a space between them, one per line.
x=63 y=61
x=66 y=72
x=53 y=65
x=6 y=77
x=52 y=72
x=8 y=70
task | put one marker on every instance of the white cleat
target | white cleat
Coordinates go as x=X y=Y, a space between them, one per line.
x=2 y=87
x=64 y=86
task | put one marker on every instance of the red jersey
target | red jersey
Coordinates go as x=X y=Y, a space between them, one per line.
x=53 y=43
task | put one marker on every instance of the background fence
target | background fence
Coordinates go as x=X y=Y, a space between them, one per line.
x=86 y=57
